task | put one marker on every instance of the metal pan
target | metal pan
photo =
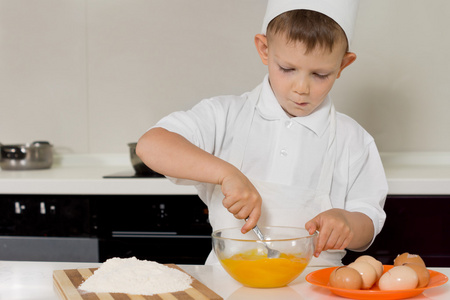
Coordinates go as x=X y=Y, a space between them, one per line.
x=37 y=155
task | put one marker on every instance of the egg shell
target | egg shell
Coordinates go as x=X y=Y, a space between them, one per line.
x=408 y=258
x=367 y=271
x=422 y=273
x=398 y=278
x=346 y=278
x=378 y=265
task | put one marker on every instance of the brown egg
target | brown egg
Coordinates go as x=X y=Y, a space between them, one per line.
x=408 y=258
x=422 y=274
x=398 y=278
x=378 y=266
x=346 y=278
x=367 y=271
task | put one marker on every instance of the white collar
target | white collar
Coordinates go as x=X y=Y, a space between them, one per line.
x=269 y=108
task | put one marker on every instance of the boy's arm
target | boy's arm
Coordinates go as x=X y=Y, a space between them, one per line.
x=340 y=229
x=171 y=154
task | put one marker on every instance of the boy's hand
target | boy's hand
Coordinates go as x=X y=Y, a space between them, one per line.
x=335 y=230
x=242 y=199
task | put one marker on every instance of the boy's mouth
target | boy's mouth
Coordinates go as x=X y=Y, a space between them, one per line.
x=300 y=104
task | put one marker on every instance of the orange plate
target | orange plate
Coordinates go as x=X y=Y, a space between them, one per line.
x=320 y=278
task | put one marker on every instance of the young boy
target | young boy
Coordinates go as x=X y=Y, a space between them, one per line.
x=280 y=154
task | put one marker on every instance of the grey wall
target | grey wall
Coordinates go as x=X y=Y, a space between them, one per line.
x=91 y=76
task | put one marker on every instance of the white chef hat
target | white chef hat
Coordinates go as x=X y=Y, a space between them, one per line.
x=342 y=12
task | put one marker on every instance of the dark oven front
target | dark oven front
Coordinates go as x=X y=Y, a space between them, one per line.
x=162 y=228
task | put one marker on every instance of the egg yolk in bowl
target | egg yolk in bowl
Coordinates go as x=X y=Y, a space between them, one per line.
x=254 y=269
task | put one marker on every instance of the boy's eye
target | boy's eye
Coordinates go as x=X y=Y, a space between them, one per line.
x=286 y=70
x=321 y=76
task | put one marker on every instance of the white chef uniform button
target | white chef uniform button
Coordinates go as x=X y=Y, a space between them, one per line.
x=283 y=152
x=288 y=124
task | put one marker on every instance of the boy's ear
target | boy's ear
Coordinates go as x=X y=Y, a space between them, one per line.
x=261 y=47
x=347 y=60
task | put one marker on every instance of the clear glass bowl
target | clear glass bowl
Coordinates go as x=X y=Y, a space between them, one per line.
x=244 y=256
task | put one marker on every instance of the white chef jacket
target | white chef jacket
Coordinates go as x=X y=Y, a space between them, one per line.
x=289 y=150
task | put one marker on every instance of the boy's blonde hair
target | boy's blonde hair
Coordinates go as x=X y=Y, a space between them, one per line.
x=312 y=28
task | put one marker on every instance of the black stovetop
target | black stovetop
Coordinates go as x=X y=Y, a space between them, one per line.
x=132 y=174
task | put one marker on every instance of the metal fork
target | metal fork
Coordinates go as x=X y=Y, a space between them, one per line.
x=271 y=253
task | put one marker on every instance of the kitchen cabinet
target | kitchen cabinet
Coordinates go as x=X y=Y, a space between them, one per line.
x=46 y=215
x=47 y=228
x=116 y=213
x=175 y=228
x=92 y=228
x=418 y=224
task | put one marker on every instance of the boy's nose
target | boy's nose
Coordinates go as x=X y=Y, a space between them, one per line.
x=302 y=86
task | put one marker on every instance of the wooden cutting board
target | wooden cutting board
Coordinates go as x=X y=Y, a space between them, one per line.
x=66 y=283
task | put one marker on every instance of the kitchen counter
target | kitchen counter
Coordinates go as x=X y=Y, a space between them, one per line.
x=407 y=174
x=417 y=173
x=84 y=175
x=33 y=280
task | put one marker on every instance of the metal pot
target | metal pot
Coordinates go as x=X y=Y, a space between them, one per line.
x=37 y=155
x=138 y=164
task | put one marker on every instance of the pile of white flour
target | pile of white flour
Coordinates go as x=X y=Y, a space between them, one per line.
x=133 y=276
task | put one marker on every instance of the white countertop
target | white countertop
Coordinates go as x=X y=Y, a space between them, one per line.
x=33 y=280
x=417 y=173
x=407 y=173
x=83 y=175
